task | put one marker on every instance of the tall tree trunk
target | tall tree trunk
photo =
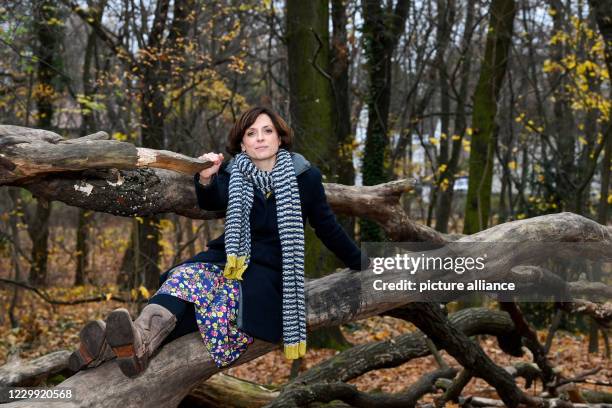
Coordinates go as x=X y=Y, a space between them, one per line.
x=492 y=72
x=38 y=229
x=445 y=18
x=152 y=136
x=603 y=15
x=311 y=104
x=505 y=156
x=156 y=75
x=48 y=55
x=16 y=248
x=603 y=209
x=313 y=114
x=445 y=200
x=88 y=126
x=381 y=32
x=564 y=123
x=342 y=161
x=344 y=138
x=314 y=121
x=82 y=246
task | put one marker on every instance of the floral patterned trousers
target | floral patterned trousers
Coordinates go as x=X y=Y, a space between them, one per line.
x=215 y=299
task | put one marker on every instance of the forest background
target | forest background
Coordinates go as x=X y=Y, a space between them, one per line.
x=495 y=110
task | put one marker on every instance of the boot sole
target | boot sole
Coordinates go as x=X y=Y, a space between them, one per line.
x=120 y=337
x=91 y=343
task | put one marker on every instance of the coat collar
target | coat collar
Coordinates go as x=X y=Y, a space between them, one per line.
x=300 y=164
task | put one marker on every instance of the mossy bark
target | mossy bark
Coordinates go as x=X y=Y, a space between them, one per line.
x=313 y=119
x=492 y=72
x=381 y=31
x=344 y=171
x=311 y=99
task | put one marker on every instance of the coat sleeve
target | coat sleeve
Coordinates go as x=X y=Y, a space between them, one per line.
x=214 y=196
x=330 y=232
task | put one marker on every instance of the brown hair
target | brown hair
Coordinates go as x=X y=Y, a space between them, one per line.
x=248 y=118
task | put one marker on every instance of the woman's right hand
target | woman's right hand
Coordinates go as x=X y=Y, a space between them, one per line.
x=206 y=174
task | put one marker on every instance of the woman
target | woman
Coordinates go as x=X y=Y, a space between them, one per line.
x=249 y=283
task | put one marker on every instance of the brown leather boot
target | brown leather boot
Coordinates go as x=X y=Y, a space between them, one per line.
x=93 y=349
x=134 y=342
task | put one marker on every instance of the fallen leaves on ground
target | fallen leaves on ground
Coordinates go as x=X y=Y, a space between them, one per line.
x=569 y=352
x=45 y=328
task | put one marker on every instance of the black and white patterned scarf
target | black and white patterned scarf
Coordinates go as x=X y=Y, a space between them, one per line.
x=283 y=182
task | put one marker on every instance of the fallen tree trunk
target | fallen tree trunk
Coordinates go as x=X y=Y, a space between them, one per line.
x=223 y=390
x=331 y=300
x=530 y=339
x=118 y=178
x=381 y=204
x=453 y=389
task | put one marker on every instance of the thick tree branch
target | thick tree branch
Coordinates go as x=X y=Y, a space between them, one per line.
x=327 y=392
x=116 y=177
x=27 y=153
x=360 y=359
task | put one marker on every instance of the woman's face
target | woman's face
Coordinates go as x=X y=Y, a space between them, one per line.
x=261 y=141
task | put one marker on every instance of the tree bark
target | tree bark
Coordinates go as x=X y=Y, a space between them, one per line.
x=492 y=72
x=52 y=168
x=360 y=359
x=445 y=199
x=313 y=120
x=381 y=32
x=222 y=390
x=429 y=319
x=48 y=54
x=28 y=153
x=311 y=104
x=339 y=70
x=334 y=299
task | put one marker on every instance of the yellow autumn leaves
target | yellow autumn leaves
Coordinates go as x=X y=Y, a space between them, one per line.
x=135 y=293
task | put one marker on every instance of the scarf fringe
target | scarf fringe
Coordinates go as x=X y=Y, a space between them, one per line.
x=235 y=267
x=295 y=351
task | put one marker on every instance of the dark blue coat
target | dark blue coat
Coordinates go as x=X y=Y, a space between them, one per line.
x=261 y=285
